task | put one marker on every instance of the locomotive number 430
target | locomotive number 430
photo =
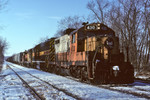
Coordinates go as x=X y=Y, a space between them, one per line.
x=95 y=27
x=91 y=27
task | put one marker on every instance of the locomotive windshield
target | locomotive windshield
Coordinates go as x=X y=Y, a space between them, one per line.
x=100 y=33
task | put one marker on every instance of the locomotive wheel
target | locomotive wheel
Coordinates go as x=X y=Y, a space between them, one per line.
x=78 y=72
x=71 y=71
x=83 y=75
x=48 y=67
x=74 y=71
x=56 y=69
x=52 y=68
x=62 y=71
x=46 y=64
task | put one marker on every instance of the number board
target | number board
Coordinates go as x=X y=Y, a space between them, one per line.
x=91 y=27
x=95 y=27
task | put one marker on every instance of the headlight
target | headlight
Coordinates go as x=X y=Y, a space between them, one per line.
x=109 y=43
x=115 y=67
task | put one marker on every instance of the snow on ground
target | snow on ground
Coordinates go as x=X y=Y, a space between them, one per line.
x=43 y=89
x=144 y=77
x=143 y=74
x=135 y=88
x=11 y=88
x=84 y=91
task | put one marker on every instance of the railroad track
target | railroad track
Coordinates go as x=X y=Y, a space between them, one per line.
x=37 y=95
x=135 y=89
x=32 y=90
x=128 y=89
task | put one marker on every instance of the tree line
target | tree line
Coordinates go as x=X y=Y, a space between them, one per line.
x=130 y=19
x=3 y=42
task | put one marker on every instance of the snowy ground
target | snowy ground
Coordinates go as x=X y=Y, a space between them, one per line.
x=144 y=73
x=11 y=88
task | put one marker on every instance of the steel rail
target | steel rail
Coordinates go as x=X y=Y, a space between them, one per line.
x=59 y=89
x=36 y=95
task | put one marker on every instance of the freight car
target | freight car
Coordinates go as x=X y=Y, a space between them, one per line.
x=15 y=58
x=89 y=53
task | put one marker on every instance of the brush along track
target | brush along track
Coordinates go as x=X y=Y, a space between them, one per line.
x=48 y=84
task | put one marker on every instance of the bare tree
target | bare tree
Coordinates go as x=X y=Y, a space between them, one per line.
x=99 y=8
x=132 y=32
x=72 y=22
x=43 y=39
x=3 y=47
x=3 y=3
x=146 y=21
x=130 y=20
x=3 y=43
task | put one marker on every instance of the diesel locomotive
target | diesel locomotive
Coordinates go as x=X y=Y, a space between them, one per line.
x=90 y=53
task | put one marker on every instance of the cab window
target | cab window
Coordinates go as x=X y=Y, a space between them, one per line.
x=73 y=38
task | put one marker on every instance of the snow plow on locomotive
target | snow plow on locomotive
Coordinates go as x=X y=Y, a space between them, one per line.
x=89 y=53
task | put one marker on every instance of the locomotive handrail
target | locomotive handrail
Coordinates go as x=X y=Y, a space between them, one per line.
x=93 y=61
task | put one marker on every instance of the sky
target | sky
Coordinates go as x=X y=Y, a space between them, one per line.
x=24 y=22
